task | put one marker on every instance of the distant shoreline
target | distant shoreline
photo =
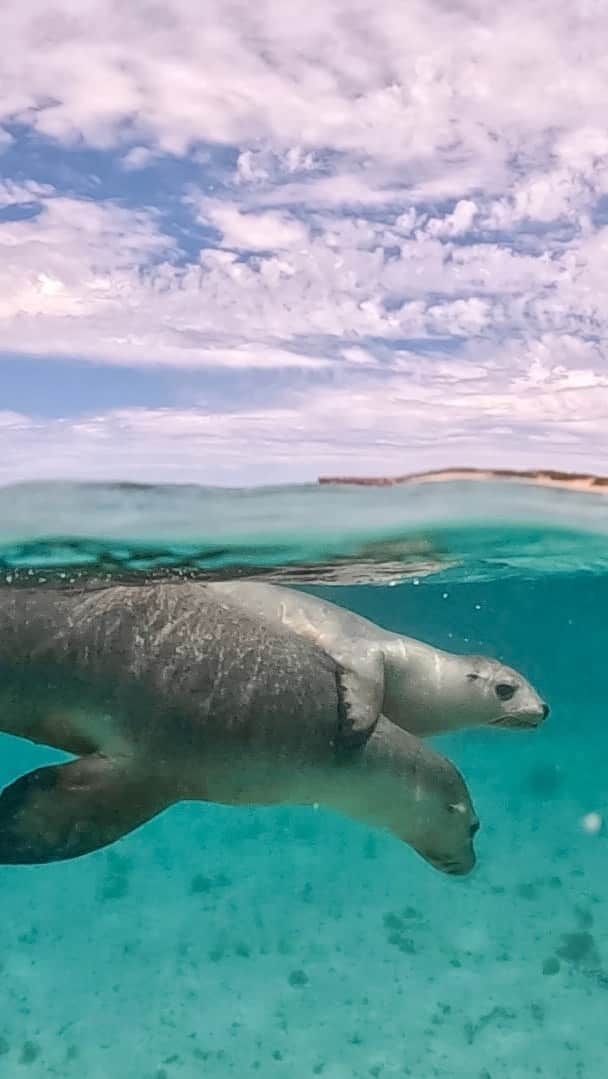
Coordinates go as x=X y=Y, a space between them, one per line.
x=543 y=477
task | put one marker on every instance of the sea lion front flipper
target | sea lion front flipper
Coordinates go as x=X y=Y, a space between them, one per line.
x=66 y=810
x=362 y=686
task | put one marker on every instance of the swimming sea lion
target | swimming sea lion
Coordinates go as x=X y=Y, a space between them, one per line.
x=419 y=688
x=165 y=692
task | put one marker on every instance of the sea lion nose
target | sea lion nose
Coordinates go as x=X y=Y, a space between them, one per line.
x=545 y=710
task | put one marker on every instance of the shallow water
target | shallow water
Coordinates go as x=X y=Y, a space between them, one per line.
x=463 y=530
x=228 y=942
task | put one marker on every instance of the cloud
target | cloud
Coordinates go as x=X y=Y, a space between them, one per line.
x=407 y=202
x=428 y=84
x=95 y=280
x=253 y=231
x=138 y=157
x=369 y=426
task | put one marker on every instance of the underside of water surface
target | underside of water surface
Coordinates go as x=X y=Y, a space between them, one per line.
x=291 y=941
x=62 y=533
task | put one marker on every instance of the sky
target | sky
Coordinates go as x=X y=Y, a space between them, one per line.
x=254 y=243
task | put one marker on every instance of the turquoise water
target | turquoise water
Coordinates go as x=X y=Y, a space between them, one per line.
x=286 y=942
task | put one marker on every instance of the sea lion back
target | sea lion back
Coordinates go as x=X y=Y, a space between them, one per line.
x=173 y=657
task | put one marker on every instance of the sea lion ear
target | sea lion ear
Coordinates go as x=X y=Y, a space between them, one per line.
x=65 y=810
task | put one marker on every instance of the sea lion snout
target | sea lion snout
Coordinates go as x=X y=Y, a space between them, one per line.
x=538 y=714
x=464 y=867
x=529 y=717
x=459 y=866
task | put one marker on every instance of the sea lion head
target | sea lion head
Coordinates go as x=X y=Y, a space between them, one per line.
x=430 y=691
x=445 y=821
x=499 y=696
x=400 y=783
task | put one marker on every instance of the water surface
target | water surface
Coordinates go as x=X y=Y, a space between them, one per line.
x=228 y=942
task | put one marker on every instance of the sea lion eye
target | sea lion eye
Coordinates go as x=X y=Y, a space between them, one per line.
x=473 y=830
x=505 y=691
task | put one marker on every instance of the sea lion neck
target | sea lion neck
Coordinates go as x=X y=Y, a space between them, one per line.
x=412 y=676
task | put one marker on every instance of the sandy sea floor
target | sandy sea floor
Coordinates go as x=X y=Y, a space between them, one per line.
x=217 y=942
x=228 y=942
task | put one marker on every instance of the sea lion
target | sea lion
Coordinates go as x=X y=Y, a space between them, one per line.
x=165 y=692
x=419 y=688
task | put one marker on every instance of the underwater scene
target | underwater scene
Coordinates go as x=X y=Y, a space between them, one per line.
x=296 y=940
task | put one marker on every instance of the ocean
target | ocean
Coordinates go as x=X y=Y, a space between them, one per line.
x=219 y=941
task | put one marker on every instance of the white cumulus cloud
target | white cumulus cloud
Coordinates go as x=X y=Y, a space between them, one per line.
x=409 y=199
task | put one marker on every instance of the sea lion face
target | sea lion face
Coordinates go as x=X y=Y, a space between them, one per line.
x=430 y=691
x=446 y=821
x=447 y=842
x=501 y=697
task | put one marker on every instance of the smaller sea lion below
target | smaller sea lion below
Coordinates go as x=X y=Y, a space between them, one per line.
x=166 y=693
x=422 y=689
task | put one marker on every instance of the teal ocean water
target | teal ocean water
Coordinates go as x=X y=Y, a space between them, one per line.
x=224 y=942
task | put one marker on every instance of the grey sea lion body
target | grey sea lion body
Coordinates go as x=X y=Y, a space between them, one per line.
x=165 y=692
x=420 y=688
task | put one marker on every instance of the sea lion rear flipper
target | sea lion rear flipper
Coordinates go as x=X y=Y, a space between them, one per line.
x=66 y=810
x=362 y=686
